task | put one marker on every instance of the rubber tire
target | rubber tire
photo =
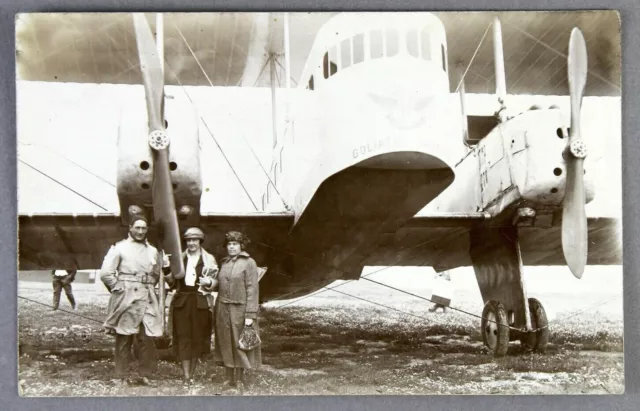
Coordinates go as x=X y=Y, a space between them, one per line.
x=502 y=331
x=536 y=341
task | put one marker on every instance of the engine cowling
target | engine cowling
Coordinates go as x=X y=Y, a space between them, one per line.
x=135 y=160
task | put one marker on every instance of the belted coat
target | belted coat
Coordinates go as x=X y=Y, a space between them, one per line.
x=237 y=300
x=130 y=271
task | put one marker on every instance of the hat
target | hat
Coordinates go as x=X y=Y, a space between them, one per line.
x=193 y=232
x=136 y=218
x=237 y=236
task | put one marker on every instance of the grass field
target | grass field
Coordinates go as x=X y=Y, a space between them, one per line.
x=333 y=344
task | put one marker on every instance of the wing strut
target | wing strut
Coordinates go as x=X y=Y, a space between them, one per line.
x=498 y=57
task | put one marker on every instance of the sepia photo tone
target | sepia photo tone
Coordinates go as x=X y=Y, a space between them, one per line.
x=319 y=203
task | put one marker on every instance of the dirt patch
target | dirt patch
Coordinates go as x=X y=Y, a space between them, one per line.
x=333 y=350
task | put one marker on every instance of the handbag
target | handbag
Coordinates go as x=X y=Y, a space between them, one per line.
x=249 y=339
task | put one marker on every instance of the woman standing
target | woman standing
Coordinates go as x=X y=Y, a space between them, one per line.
x=192 y=303
x=236 y=307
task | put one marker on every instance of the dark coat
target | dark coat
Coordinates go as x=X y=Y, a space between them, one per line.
x=237 y=300
x=200 y=336
x=180 y=298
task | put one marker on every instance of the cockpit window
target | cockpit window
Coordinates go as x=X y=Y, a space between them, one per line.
x=358 y=48
x=412 y=43
x=393 y=42
x=329 y=68
x=345 y=53
x=425 y=43
x=376 y=41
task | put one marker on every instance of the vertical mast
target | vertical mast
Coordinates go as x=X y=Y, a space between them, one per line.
x=501 y=88
x=272 y=72
x=287 y=57
x=160 y=38
x=160 y=50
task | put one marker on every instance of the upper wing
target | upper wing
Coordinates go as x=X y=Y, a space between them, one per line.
x=443 y=243
x=61 y=240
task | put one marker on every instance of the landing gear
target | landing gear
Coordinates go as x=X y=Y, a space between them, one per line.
x=495 y=328
x=536 y=340
x=497 y=262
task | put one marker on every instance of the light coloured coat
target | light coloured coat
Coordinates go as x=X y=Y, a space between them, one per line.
x=132 y=303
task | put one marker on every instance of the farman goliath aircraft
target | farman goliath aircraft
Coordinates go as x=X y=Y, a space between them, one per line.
x=372 y=171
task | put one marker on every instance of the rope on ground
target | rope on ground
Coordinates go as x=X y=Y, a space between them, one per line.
x=68 y=312
x=600 y=303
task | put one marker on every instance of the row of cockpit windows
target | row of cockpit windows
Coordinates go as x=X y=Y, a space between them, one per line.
x=382 y=43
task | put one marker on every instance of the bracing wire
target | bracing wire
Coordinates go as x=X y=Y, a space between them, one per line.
x=363 y=277
x=60 y=309
x=473 y=57
x=560 y=54
x=62 y=184
x=242 y=135
x=70 y=161
x=214 y=138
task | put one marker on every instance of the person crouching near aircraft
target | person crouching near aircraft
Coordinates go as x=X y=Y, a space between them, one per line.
x=446 y=289
x=130 y=272
x=236 y=307
x=192 y=304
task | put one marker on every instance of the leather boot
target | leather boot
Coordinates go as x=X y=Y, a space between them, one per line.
x=229 y=380
x=240 y=378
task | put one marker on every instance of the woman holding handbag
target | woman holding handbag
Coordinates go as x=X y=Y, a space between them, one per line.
x=192 y=304
x=236 y=308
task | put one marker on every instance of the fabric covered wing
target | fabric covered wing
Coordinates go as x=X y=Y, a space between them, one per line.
x=444 y=245
x=57 y=241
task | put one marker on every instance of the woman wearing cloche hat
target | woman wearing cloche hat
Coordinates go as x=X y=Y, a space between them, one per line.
x=192 y=304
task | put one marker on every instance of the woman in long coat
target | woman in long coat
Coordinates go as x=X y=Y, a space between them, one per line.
x=236 y=307
x=192 y=304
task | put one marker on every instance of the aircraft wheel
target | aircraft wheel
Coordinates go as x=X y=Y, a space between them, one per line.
x=536 y=341
x=495 y=330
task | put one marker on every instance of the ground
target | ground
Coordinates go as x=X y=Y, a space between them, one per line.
x=332 y=344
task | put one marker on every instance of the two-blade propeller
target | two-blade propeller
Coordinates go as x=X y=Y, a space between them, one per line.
x=164 y=207
x=574 y=219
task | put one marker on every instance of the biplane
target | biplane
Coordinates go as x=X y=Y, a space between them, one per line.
x=378 y=164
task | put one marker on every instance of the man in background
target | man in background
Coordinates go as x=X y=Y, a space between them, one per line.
x=62 y=279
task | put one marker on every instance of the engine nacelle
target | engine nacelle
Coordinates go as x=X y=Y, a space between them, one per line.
x=538 y=166
x=522 y=160
x=135 y=159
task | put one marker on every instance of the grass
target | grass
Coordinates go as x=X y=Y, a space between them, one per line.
x=330 y=346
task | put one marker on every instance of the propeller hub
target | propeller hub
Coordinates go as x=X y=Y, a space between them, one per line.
x=578 y=149
x=158 y=140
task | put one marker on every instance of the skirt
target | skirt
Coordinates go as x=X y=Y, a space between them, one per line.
x=191 y=327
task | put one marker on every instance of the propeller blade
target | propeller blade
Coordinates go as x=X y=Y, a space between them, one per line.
x=164 y=207
x=152 y=73
x=577 y=72
x=574 y=218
